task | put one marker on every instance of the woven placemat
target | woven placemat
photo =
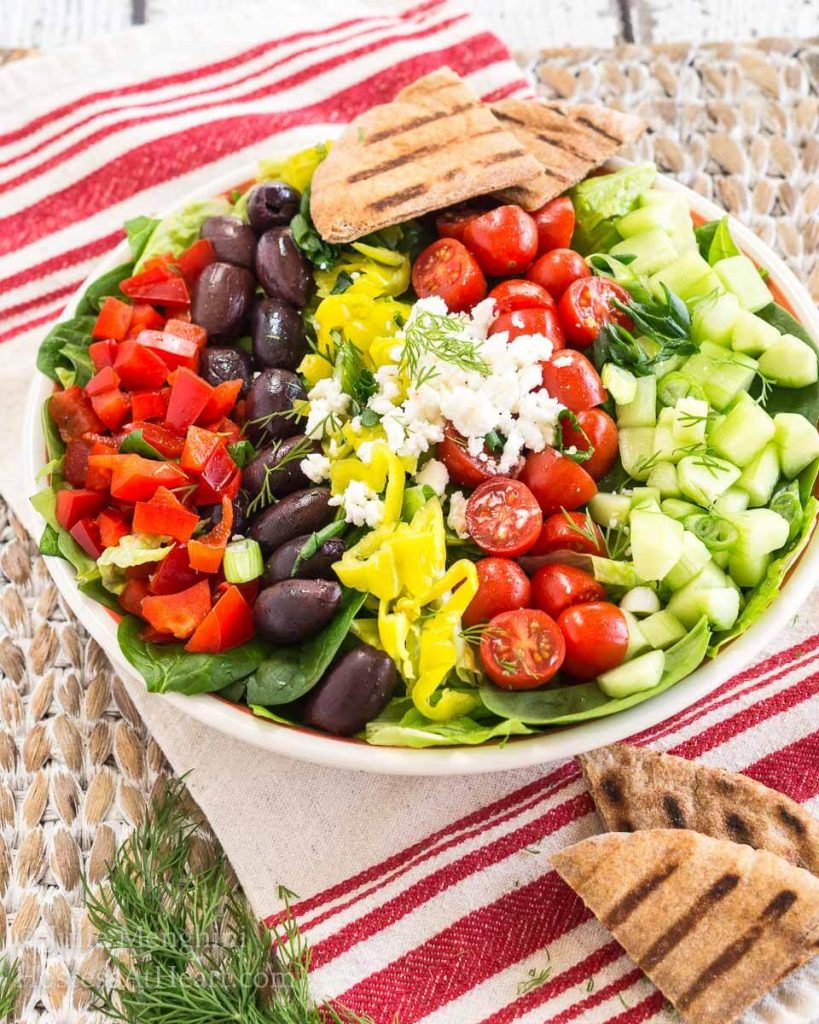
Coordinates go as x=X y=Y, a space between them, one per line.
x=737 y=123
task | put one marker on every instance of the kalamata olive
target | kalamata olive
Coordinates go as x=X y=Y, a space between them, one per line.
x=353 y=692
x=221 y=301
x=317 y=567
x=271 y=204
x=278 y=334
x=233 y=241
x=293 y=610
x=213 y=514
x=300 y=512
x=265 y=475
x=270 y=395
x=219 y=363
x=281 y=268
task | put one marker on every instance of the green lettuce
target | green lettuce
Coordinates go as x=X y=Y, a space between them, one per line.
x=180 y=230
x=598 y=200
x=133 y=549
x=402 y=725
x=715 y=242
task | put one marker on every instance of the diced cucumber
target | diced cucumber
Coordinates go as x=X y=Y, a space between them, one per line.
x=640 y=601
x=665 y=447
x=743 y=433
x=703 y=478
x=675 y=386
x=677 y=508
x=637 y=642
x=636 y=449
x=671 y=218
x=759 y=477
x=721 y=374
x=739 y=276
x=790 y=362
x=615 y=574
x=752 y=335
x=684 y=602
x=690 y=421
x=761 y=530
x=694 y=558
x=656 y=543
x=641 y=411
x=643 y=673
x=610 y=509
x=645 y=497
x=714 y=319
x=797 y=442
x=663 y=478
x=748 y=568
x=660 y=197
x=652 y=250
x=720 y=606
x=662 y=629
x=689 y=277
x=621 y=384
x=735 y=499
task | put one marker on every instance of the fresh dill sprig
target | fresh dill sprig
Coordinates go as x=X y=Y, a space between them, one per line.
x=441 y=337
x=534 y=980
x=589 y=531
x=9 y=987
x=265 y=497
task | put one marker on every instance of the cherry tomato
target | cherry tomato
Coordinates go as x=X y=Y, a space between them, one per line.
x=503 y=517
x=601 y=432
x=503 y=240
x=588 y=304
x=522 y=649
x=465 y=469
x=520 y=294
x=502 y=587
x=570 y=377
x=530 y=321
x=557 y=269
x=556 y=481
x=452 y=223
x=556 y=587
x=448 y=269
x=569 y=531
x=596 y=636
x=555 y=224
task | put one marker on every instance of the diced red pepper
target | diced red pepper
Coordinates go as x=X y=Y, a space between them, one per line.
x=226 y=429
x=189 y=396
x=113 y=321
x=136 y=479
x=156 y=636
x=174 y=572
x=205 y=553
x=148 y=405
x=172 y=349
x=156 y=285
x=138 y=366
x=221 y=401
x=72 y=506
x=185 y=329
x=73 y=414
x=219 y=470
x=194 y=260
x=249 y=590
x=131 y=598
x=104 y=380
x=207 y=495
x=87 y=534
x=75 y=465
x=199 y=445
x=162 y=260
x=145 y=318
x=112 y=407
x=165 y=441
x=165 y=515
x=102 y=353
x=228 y=624
x=179 y=614
x=113 y=526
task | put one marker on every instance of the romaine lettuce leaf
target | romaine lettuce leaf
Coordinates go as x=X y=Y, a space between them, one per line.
x=605 y=196
x=133 y=549
x=402 y=725
x=179 y=231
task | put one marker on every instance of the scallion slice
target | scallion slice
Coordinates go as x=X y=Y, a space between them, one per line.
x=243 y=561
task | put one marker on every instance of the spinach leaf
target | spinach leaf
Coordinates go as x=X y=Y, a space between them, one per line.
x=402 y=725
x=107 y=284
x=94 y=589
x=135 y=443
x=66 y=347
x=320 y=253
x=779 y=399
x=169 y=668
x=139 y=230
x=290 y=672
x=722 y=244
x=704 y=235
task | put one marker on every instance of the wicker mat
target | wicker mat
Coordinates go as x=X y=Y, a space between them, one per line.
x=738 y=124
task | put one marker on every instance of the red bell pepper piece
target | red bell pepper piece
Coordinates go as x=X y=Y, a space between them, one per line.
x=113 y=526
x=205 y=553
x=113 y=321
x=219 y=470
x=104 y=380
x=72 y=413
x=155 y=636
x=156 y=285
x=72 y=506
x=189 y=396
x=180 y=613
x=199 y=445
x=98 y=478
x=148 y=405
x=145 y=318
x=75 y=465
x=174 y=572
x=165 y=441
x=165 y=515
x=131 y=598
x=249 y=590
x=111 y=406
x=138 y=366
x=194 y=260
x=206 y=495
x=171 y=348
x=102 y=353
x=221 y=401
x=87 y=534
x=228 y=624
x=136 y=479
x=185 y=329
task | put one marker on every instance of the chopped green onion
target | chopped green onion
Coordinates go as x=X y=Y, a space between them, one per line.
x=717 y=534
x=243 y=561
x=241 y=452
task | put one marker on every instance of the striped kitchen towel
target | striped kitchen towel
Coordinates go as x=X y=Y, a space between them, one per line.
x=424 y=899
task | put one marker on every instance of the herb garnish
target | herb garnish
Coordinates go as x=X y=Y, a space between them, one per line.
x=441 y=337
x=577 y=454
x=320 y=253
x=9 y=987
x=265 y=497
x=665 y=321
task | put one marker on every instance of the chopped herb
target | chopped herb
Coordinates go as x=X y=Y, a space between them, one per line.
x=320 y=253
x=265 y=497
x=577 y=454
x=534 y=980
x=441 y=337
x=369 y=418
x=343 y=282
x=494 y=442
x=314 y=542
x=241 y=452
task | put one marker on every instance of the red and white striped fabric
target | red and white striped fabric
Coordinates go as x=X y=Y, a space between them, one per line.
x=424 y=900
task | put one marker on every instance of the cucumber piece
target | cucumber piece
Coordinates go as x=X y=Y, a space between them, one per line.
x=640 y=601
x=790 y=362
x=610 y=510
x=721 y=374
x=662 y=629
x=690 y=421
x=752 y=335
x=675 y=386
x=665 y=366
x=735 y=499
x=760 y=477
x=720 y=606
x=677 y=508
x=797 y=442
x=645 y=497
x=663 y=478
x=689 y=277
x=636 y=448
x=665 y=447
x=621 y=384
x=684 y=602
x=659 y=197
x=748 y=568
x=656 y=543
x=738 y=275
x=714 y=319
x=761 y=530
x=652 y=250
x=672 y=218
x=703 y=478
x=743 y=433
x=637 y=642
x=690 y=521
x=615 y=574
x=641 y=411
x=643 y=673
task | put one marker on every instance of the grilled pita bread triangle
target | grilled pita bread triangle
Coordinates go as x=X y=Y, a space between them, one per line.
x=569 y=141
x=635 y=788
x=712 y=923
x=436 y=145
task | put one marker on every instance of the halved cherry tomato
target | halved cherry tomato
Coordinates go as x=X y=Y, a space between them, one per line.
x=72 y=413
x=503 y=240
x=557 y=269
x=555 y=587
x=465 y=469
x=601 y=434
x=569 y=531
x=447 y=268
x=503 y=517
x=555 y=224
x=556 y=481
x=228 y=624
x=522 y=649
x=502 y=587
x=114 y=319
x=179 y=614
x=596 y=636
x=75 y=505
x=588 y=304
x=452 y=223
x=570 y=377
x=530 y=321
x=520 y=294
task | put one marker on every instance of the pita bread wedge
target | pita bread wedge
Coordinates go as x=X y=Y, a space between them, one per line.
x=568 y=141
x=434 y=146
x=635 y=788
x=714 y=924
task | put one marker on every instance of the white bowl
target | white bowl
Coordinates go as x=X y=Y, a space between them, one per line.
x=519 y=752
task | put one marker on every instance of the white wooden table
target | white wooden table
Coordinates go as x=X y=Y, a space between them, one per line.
x=526 y=25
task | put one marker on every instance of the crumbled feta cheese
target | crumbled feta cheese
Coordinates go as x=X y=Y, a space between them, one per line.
x=433 y=474
x=327 y=404
x=316 y=467
x=365 y=451
x=361 y=504
x=456 y=519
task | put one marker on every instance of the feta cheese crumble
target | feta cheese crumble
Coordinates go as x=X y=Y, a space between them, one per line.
x=361 y=504
x=433 y=474
x=328 y=404
x=456 y=518
x=316 y=467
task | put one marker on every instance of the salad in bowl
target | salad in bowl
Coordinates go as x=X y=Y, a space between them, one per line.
x=473 y=476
